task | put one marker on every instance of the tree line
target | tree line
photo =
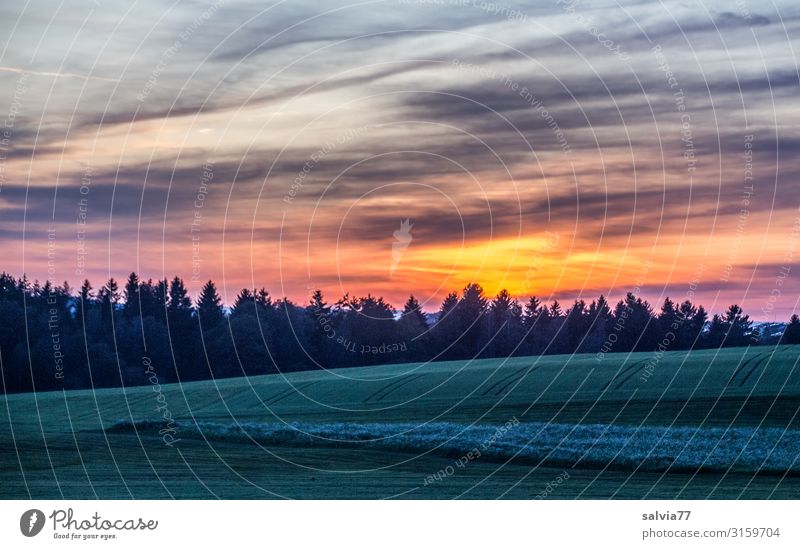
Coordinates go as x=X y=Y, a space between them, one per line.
x=52 y=337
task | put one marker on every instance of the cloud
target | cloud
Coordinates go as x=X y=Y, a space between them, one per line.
x=594 y=150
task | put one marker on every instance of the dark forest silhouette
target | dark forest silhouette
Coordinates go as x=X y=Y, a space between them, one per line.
x=54 y=338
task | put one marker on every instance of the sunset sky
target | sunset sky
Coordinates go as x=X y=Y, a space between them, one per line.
x=563 y=149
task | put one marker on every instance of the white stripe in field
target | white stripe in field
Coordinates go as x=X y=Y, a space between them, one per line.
x=651 y=448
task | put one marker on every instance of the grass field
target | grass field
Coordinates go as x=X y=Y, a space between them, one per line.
x=717 y=424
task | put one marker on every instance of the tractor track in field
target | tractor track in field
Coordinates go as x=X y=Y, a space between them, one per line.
x=287 y=393
x=621 y=373
x=413 y=377
x=634 y=370
x=763 y=360
x=386 y=390
x=503 y=379
x=741 y=367
x=525 y=373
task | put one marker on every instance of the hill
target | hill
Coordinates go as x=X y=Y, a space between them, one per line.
x=690 y=424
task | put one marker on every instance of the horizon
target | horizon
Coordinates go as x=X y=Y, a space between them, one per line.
x=521 y=299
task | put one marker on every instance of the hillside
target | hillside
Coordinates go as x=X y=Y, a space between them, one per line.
x=107 y=442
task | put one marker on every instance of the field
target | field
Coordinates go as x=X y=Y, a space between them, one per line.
x=701 y=424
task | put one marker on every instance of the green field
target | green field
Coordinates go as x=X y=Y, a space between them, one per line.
x=386 y=431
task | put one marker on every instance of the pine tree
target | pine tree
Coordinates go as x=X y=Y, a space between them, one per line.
x=83 y=302
x=109 y=297
x=263 y=299
x=533 y=309
x=715 y=336
x=178 y=296
x=132 y=296
x=446 y=331
x=699 y=322
x=161 y=293
x=573 y=330
x=448 y=305
x=503 y=326
x=112 y=291
x=317 y=303
x=791 y=335
x=317 y=307
x=147 y=299
x=319 y=322
x=668 y=314
x=501 y=305
x=244 y=303
x=413 y=315
x=598 y=322
x=473 y=302
x=738 y=328
x=209 y=307
x=85 y=293
x=469 y=319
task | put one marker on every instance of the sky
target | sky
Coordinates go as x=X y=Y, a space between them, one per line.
x=560 y=149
